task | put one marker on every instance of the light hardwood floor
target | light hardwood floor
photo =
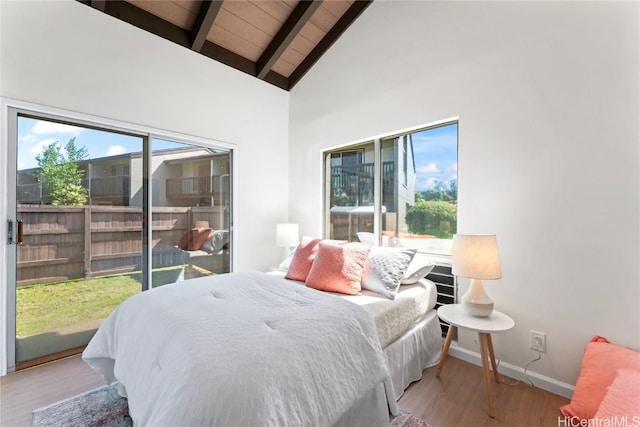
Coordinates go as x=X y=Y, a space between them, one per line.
x=23 y=391
x=457 y=398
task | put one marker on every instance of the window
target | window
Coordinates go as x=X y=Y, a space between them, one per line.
x=399 y=190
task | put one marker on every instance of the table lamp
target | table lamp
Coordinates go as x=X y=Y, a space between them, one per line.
x=287 y=236
x=476 y=256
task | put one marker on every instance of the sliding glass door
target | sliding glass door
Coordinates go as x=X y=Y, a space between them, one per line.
x=79 y=241
x=191 y=205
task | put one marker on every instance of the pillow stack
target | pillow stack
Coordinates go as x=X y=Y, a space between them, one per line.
x=608 y=386
x=348 y=268
x=193 y=239
x=205 y=239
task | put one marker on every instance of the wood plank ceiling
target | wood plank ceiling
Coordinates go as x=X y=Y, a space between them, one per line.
x=277 y=41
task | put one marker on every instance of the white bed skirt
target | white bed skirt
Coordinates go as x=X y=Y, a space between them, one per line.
x=417 y=349
x=407 y=357
x=372 y=410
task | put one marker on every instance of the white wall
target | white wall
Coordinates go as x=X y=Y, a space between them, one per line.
x=547 y=96
x=66 y=55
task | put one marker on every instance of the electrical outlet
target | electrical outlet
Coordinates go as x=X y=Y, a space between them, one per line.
x=538 y=341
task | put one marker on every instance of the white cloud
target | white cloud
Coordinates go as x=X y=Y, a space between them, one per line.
x=40 y=145
x=454 y=167
x=114 y=150
x=429 y=168
x=29 y=147
x=431 y=182
x=43 y=127
x=426 y=183
x=26 y=139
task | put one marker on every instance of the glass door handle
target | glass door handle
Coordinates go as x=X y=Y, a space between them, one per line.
x=20 y=232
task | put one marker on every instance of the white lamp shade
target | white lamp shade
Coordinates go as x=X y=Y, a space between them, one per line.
x=476 y=256
x=287 y=235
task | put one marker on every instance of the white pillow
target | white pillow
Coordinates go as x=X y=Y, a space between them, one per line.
x=384 y=269
x=366 y=237
x=284 y=265
x=420 y=266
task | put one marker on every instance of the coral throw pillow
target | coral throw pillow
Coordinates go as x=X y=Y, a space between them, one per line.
x=200 y=238
x=338 y=268
x=187 y=238
x=302 y=260
x=194 y=239
x=622 y=400
x=600 y=363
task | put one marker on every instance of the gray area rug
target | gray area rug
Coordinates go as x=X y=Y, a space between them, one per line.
x=100 y=407
x=103 y=407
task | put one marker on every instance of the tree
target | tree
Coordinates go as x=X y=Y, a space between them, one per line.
x=441 y=191
x=60 y=175
x=453 y=189
x=433 y=217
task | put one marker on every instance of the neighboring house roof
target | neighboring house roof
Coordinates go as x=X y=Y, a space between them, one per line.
x=138 y=154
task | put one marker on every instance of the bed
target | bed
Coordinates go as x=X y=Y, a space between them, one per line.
x=297 y=356
x=407 y=327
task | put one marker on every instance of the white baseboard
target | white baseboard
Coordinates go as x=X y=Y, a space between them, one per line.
x=515 y=372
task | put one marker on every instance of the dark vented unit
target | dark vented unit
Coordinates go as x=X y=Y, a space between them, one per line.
x=445 y=282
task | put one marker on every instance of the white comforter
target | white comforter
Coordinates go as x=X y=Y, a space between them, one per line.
x=239 y=349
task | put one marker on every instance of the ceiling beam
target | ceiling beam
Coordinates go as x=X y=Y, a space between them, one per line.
x=289 y=30
x=204 y=21
x=101 y=5
x=327 y=41
x=140 y=18
x=240 y=63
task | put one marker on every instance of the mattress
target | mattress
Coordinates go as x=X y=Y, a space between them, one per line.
x=411 y=341
x=393 y=317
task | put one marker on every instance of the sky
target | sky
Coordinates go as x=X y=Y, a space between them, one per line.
x=34 y=135
x=436 y=155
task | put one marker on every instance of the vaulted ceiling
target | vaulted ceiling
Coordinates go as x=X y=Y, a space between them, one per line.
x=277 y=41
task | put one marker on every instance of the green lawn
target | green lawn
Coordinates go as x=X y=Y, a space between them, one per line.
x=50 y=306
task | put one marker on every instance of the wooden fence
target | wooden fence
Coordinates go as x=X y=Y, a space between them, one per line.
x=62 y=243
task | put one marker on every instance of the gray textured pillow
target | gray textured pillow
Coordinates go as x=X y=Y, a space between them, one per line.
x=385 y=268
x=216 y=241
